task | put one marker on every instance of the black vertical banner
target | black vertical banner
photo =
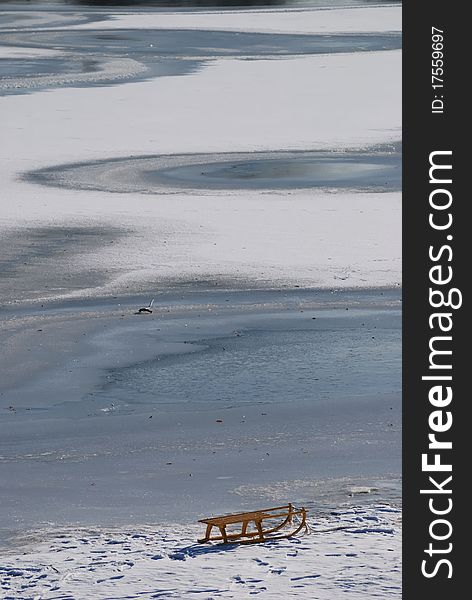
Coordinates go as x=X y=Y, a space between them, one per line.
x=435 y=257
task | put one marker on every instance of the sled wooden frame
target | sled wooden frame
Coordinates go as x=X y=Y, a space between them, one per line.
x=286 y=513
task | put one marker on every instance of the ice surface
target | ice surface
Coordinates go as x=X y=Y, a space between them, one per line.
x=343 y=238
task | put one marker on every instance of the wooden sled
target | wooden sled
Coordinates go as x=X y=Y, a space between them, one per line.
x=283 y=513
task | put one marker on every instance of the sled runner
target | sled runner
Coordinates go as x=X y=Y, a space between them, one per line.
x=279 y=523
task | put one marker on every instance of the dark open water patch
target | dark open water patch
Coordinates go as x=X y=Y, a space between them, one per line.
x=193 y=4
x=185 y=43
x=156 y=53
x=373 y=169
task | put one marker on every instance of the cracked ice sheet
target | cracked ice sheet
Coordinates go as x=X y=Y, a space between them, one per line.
x=359 y=19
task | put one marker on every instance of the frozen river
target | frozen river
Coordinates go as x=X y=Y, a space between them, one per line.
x=242 y=166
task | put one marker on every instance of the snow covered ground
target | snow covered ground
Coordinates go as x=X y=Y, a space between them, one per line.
x=350 y=553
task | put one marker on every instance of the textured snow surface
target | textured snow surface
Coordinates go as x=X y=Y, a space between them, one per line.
x=352 y=553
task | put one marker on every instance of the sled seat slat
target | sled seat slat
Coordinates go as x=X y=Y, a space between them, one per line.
x=230 y=519
x=238 y=517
